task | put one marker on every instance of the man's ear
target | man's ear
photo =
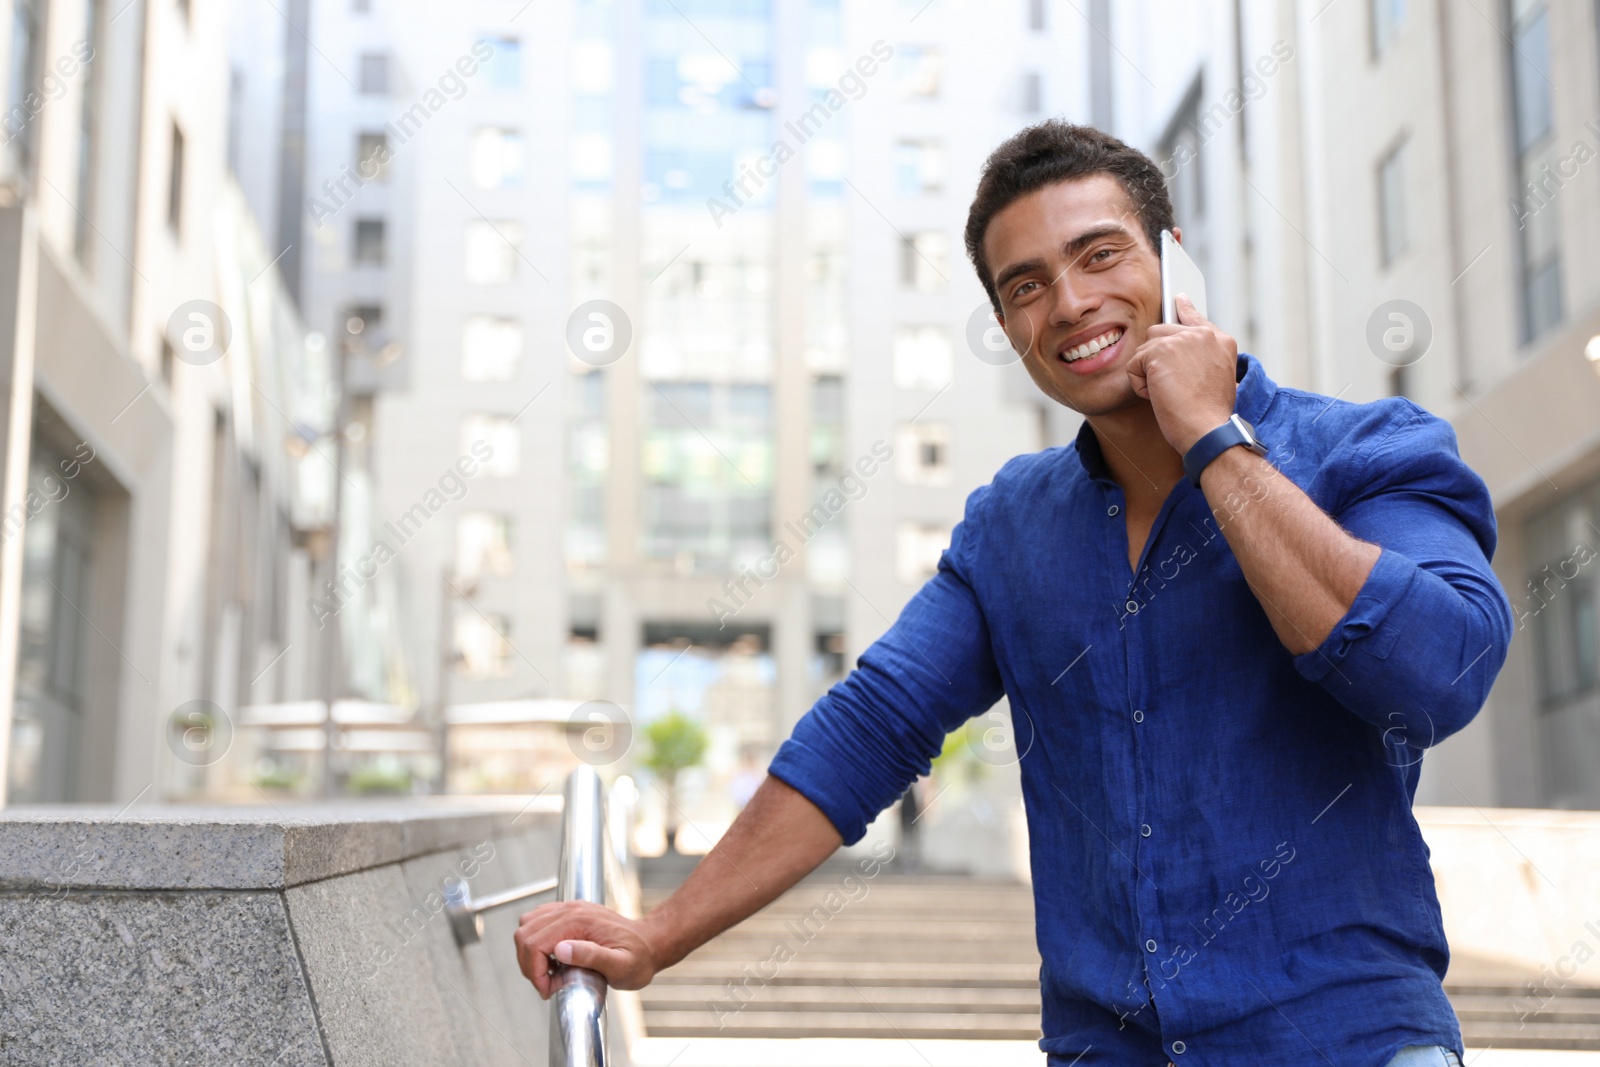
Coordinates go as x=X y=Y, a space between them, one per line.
x=1177 y=234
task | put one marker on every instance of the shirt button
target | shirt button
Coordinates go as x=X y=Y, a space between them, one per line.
x=1178 y=1048
x=1132 y=606
x=1149 y=946
x=1112 y=510
x=1138 y=716
x=1144 y=829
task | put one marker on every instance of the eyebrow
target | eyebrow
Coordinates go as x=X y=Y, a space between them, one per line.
x=1071 y=250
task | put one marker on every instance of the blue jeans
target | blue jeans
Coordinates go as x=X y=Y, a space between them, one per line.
x=1419 y=1056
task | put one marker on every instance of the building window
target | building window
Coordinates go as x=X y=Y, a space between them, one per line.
x=23 y=94
x=504 y=67
x=924 y=260
x=1393 y=237
x=374 y=76
x=1036 y=16
x=923 y=357
x=918 y=546
x=1387 y=17
x=483 y=643
x=87 y=123
x=372 y=157
x=922 y=453
x=1533 y=115
x=501 y=436
x=491 y=251
x=175 y=182
x=490 y=349
x=917 y=72
x=1561 y=601
x=370 y=242
x=1032 y=92
x=361 y=6
x=919 y=167
x=483 y=545
x=496 y=158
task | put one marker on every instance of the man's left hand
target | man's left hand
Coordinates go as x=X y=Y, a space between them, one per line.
x=1188 y=373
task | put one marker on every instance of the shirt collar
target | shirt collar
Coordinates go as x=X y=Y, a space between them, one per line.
x=1255 y=395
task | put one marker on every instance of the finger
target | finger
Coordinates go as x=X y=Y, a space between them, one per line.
x=611 y=962
x=1188 y=314
x=535 y=965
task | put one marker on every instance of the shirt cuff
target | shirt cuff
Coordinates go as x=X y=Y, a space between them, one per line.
x=1364 y=625
x=814 y=778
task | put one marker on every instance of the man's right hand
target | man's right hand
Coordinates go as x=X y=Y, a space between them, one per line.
x=589 y=936
x=779 y=838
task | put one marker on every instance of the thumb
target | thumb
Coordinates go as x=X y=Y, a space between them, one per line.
x=593 y=957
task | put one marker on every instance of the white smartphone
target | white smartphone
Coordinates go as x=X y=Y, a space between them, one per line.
x=1179 y=274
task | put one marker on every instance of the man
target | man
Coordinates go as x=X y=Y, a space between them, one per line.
x=1221 y=678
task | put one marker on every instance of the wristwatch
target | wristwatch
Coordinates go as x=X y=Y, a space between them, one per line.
x=1233 y=432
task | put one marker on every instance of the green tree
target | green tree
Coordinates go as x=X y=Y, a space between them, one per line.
x=677 y=743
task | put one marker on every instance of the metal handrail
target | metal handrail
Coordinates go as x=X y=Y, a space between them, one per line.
x=578 y=997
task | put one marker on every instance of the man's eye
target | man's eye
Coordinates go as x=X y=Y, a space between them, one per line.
x=1022 y=290
x=1102 y=252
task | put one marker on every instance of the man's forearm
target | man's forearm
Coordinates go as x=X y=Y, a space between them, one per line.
x=778 y=839
x=1302 y=567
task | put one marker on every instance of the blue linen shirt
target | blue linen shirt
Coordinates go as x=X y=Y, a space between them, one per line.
x=1226 y=867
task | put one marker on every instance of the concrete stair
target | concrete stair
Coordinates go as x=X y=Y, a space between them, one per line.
x=875 y=961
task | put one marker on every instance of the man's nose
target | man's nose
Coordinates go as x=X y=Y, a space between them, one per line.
x=1070 y=300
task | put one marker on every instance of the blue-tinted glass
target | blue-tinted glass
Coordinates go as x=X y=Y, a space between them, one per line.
x=1530 y=67
x=504 y=67
x=591 y=114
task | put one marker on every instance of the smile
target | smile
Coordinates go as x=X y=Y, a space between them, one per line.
x=1092 y=347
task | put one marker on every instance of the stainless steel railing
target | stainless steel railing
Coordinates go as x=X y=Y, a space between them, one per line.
x=578 y=997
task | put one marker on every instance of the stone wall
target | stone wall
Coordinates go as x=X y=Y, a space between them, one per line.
x=296 y=937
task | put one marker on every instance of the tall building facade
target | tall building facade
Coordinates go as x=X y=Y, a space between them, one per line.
x=155 y=377
x=1393 y=198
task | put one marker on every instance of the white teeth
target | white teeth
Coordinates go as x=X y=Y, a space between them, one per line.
x=1099 y=344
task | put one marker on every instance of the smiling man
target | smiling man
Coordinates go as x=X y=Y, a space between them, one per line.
x=1228 y=620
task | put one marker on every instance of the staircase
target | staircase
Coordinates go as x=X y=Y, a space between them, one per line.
x=864 y=958
x=855 y=957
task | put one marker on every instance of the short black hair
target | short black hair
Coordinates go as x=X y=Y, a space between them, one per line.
x=1057 y=151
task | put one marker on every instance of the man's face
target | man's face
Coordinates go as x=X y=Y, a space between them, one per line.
x=1079 y=285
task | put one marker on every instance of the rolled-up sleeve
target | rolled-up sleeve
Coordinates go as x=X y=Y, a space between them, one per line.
x=1428 y=631
x=877 y=731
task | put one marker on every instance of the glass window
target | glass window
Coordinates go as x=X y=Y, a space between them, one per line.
x=496 y=158
x=1036 y=16
x=1533 y=113
x=175 y=182
x=919 y=167
x=1561 y=601
x=491 y=251
x=1393 y=238
x=483 y=545
x=923 y=357
x=372 y=156
x=1387 y=17
x=502 y=437
x=924 y=260
x=1032 y=92
x=483 y=643
x=374 y=77
x=490 y=348
x=918 y=547
x=23 y=94
x=922 y=453
x=917 y=71
x=370 y=242
x=504 y=67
